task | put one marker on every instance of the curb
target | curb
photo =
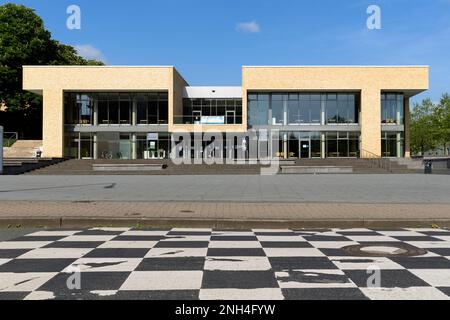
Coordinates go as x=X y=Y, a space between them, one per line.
x=74 y=222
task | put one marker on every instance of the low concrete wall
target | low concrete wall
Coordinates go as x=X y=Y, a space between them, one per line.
x=316 y=169
x=127 y=167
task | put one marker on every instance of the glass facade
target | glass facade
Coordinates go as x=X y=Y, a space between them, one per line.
x=392 y=144
x=302 y=108
x=342 y=144
x=78 y=108
x=392 y=108
x=217 y=111
x=152 y=108
x=116 y=108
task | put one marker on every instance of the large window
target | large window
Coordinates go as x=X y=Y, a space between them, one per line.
x=114 y=108
x=342 y=144
x=302 y=108
x=78 y=108
x=219 y=111
x=258 y=109
x=392 y=108
x=341 y=108
x=392 y=144
x=152 y=108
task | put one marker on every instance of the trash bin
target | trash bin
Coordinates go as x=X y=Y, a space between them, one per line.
x=428 y=167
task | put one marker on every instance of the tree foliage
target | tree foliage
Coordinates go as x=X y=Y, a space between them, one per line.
x=24 y=40
x=430 y=125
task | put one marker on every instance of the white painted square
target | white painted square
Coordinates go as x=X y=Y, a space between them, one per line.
x=89 y=238
x=237 y=263
x=429 y=244
x=128 y=244
x=332 y=244
x=293 y=252
x=23 y=244
x=145 y=233
x=412 y=293
x=114 y=229
x=241 y=294
x=232 y=233
x=3 y=261
x=55 y=253
x=105 y=264
x=234 y=244
x=40 y=295
x=313 y=279
x=186 y=238
x=372 y=238
x=363 y=263
x=434 y=277
x=192 y=229
x=51 y=233
x=402 y=233
x=176 y=252
x=14 y=282
x=281 y=238
x=163 y=280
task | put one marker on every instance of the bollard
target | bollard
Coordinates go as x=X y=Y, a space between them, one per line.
x=1 y=150
x=428 y=167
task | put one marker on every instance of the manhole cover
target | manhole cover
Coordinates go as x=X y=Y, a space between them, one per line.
x=385 y=250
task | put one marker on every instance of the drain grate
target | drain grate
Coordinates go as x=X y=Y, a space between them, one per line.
x=384 y=250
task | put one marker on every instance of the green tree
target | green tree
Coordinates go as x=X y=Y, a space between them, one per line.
x=422 y=129
x=25 y=41
x=442 y=122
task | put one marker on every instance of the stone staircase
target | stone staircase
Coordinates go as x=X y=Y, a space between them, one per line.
x=85 y=167
x=15 y=166
x=22 y=149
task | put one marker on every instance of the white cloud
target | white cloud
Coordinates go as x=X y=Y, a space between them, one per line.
x=89 y=52
x=248 y=27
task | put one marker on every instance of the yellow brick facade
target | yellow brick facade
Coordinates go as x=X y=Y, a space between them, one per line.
x=52 y=81
x=369 y=81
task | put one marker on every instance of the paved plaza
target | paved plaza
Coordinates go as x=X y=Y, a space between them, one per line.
x=125 y=263
x=350 y=188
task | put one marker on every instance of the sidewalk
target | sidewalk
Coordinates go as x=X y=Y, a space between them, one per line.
x=220 y=214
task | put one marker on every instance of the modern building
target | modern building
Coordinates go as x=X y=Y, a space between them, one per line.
x=136 y=112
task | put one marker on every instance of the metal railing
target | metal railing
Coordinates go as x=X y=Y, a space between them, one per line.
x=9 y=138
x=376 y=161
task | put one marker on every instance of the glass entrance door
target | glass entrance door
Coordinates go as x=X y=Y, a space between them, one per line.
x=304 y=149
x=230 y=117
x=197 y=117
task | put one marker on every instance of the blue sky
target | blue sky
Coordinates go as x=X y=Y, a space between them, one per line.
x=209 y=40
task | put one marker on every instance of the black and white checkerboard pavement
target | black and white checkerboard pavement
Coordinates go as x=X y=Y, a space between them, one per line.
x=126 y=263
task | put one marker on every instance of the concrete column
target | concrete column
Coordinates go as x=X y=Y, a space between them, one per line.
x=399 y=145
x=133 y=146
x=53 y=123
x=370 y=122
x=95 y=155
x=1 y=150
x=322 y=110
x=285 y=146
x=323 y=149
x=407 y=134
x=95 y=113
x=134 y=112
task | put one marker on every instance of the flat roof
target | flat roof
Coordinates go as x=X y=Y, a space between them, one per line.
x=339 y=66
